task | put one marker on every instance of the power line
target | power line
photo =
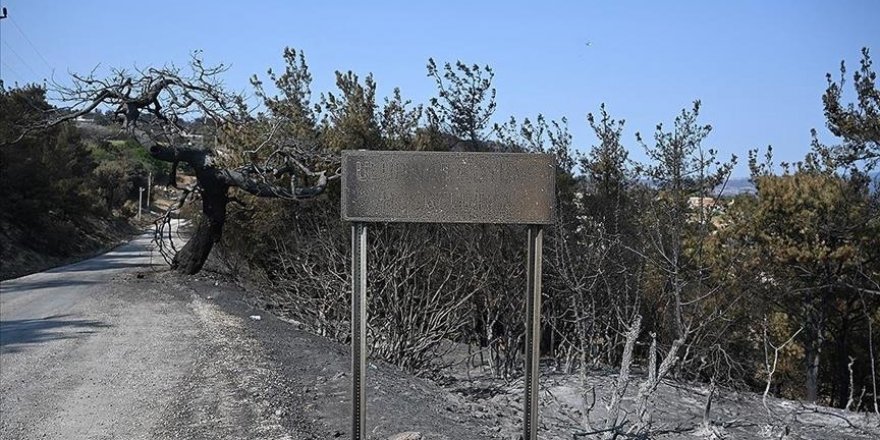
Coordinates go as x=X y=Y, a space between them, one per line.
x=20 y=59
x=6 y=67
x=21 y=31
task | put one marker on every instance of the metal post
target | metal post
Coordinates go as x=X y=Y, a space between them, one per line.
x=358 y=329
x=533 y=331
x=140 y=201
x=149 y=185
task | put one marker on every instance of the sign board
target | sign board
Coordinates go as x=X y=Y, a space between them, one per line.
x=434 y=187
x=443 y=187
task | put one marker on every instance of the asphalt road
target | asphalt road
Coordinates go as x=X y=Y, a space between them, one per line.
x=92 y=351
x=118 y=347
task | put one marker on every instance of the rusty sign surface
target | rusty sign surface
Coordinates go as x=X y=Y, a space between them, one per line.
x=435 y=187
x=448 y=187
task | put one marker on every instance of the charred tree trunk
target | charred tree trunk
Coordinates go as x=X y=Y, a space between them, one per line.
x=214 y=184
x=215 y=196
x=209 y=228
x=811 y=357
x=815 y=339
x=169 y=96
x=842 y=358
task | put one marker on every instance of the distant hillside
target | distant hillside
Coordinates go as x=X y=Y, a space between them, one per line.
x=742 y=185
x=737 y=185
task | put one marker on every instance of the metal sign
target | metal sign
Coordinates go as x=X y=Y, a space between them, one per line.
x=396 y=186
x=399 y=186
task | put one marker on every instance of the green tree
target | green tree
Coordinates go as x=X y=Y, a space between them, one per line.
x=684 y=300
x=678 y=220
x=350 y=120
x=41 y=171
x=112 y=180
x=465 y=101
x=856 y=124
x=606 y=167
x=292 y=106
x=813 y=235
x=399 y=122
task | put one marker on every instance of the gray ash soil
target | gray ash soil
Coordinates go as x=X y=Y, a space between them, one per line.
x=308 y=384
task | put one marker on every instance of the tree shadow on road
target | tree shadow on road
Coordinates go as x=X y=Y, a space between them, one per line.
x=18 y=286
x=17 y=333
x=97 y=265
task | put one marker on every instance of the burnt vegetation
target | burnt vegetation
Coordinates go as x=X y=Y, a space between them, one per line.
x=652 y=269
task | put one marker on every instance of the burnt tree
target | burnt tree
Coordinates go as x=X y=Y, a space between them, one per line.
x=157 y=105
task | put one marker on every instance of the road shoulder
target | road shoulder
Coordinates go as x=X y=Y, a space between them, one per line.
x=311 y=384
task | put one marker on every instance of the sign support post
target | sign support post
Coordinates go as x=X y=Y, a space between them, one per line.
x=533 y=330
x=449 y=187
x=358 y=329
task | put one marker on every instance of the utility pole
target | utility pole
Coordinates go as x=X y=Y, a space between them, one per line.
x=3 y=15
x=140 y=201
x=149 y=186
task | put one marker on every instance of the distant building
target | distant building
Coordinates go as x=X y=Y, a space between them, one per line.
x=707 y=208
x=198 y=137
x=705 y=203
x=85 y=119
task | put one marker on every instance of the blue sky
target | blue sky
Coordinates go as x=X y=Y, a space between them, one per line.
x=758 y=66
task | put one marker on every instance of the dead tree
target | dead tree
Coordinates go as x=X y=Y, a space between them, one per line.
x=154 y=105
